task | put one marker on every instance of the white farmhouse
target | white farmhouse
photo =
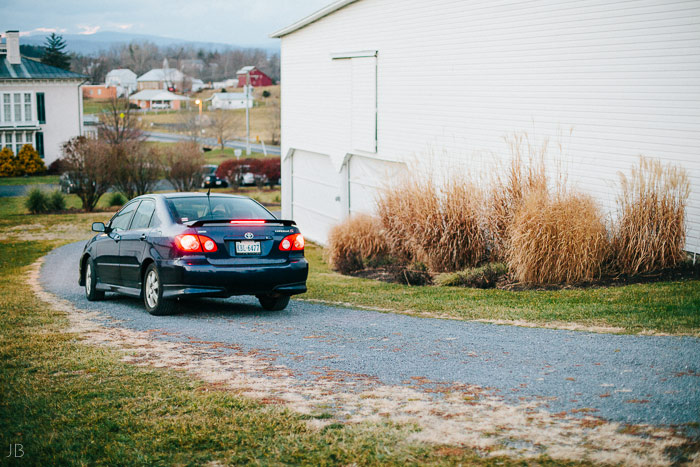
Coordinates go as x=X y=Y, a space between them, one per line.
x=39 y=104
x=622 y=77
x=123 y=79
x=230 y=100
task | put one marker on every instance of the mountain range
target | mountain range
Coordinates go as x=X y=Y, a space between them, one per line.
x=89 y=44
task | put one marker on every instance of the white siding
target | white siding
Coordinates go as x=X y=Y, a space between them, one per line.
x=609 y=80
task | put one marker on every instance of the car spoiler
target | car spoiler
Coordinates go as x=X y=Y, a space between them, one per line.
x=201 y=222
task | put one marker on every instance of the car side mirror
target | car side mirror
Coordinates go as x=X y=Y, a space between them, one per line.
x=98 y=227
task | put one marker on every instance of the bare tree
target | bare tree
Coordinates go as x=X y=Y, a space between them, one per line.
x=136 y=168
x=119 y=122
x=182 y=164
x=223 y=125
x=88 y=166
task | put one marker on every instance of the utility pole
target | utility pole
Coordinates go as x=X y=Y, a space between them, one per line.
x=247 y=113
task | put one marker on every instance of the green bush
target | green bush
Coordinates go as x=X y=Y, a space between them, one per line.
x=57 y=202
x=37 y=201
x=116 y=199
x=482 y=277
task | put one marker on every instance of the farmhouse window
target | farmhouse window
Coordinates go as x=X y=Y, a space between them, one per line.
x=27 y=107
x=40 y=107
x=7 y=106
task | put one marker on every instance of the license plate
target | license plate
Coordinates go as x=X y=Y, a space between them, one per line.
x=247 y=248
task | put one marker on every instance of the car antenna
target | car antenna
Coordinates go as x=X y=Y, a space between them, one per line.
x=209 y=202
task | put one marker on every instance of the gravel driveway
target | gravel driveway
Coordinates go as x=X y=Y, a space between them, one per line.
x=623 y=379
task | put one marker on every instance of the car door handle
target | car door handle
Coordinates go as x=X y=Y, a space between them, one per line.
x=142 y=237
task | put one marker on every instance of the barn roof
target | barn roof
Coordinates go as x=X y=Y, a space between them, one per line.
x=323 y=12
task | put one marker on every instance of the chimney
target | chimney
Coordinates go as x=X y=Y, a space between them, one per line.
x=12 y=43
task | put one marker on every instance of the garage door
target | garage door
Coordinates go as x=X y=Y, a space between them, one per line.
x=314 y=193
x=366 y=178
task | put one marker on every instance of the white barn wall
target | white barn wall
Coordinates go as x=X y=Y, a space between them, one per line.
x=455 y=77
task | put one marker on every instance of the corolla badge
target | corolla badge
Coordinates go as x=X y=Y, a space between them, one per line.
x=249 y=235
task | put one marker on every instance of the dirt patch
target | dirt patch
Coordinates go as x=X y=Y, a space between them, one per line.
x=459 y=416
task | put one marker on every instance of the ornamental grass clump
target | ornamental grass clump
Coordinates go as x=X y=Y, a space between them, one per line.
x=557 y=238
x=355 y=242
x=649 y=234
x=440 y=227
x=509 y=186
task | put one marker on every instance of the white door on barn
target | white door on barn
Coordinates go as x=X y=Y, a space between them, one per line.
x=315 y=194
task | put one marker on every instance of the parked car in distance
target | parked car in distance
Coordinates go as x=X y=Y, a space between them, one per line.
x=212 y=181
x=164 y=246
x=66 y=184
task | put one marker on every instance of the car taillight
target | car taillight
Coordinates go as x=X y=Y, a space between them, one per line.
x=190 y=243
x=294 y=242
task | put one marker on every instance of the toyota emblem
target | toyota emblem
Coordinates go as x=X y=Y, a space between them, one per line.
x=249 y=235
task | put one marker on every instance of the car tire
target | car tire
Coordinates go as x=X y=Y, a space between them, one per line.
x=274 y=303
x=91 y=293
x=152 y=291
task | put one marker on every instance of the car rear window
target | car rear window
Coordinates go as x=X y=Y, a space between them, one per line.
x=201 y=208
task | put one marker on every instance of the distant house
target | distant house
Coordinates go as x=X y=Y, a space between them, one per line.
x=157 y=99
x=161 y=78
x=40 y=105
x=99 y=91
x=123 y=79
x=196 y=85
x=228 y=83
x=229 y=100
x=257 y=77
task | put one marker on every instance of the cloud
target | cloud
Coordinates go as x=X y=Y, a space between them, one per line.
x=88 y=30
x=124 y=27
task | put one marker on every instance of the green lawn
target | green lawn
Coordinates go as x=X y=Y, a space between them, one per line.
x=92 y=106
x=217 y=156
x=34 y=180
x=666 y=307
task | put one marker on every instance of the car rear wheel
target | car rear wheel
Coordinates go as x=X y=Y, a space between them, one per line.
x=274 y=303
x=91 y=292
x=153 y=294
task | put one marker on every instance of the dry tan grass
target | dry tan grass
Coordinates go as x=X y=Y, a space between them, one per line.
x=438 y=226
x=650 y=231
x=557 y=238
x=354 y=241
x=509 y=185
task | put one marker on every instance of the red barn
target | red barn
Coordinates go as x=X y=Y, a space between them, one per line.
x=257 y=77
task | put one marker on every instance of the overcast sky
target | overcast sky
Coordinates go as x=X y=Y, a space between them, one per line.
x=236 y=22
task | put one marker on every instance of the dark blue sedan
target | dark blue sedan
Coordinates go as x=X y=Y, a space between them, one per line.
x=165 y=246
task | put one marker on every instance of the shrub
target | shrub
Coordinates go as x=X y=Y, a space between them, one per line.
x=482 y=277
x=559 y=238
x=9 y=165
x=88 y=162
x=440 y=227
x=37 y=201
x=650 y=230
x=29 y=161
x=354 y=242
x=56 y=201
x=58 y=166
x=116 y=199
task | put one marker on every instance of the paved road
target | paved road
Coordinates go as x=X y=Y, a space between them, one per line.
x=630 y=379
x=21 y=190
x=174 y=137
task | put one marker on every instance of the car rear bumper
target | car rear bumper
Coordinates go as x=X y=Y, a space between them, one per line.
x=180 y=278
